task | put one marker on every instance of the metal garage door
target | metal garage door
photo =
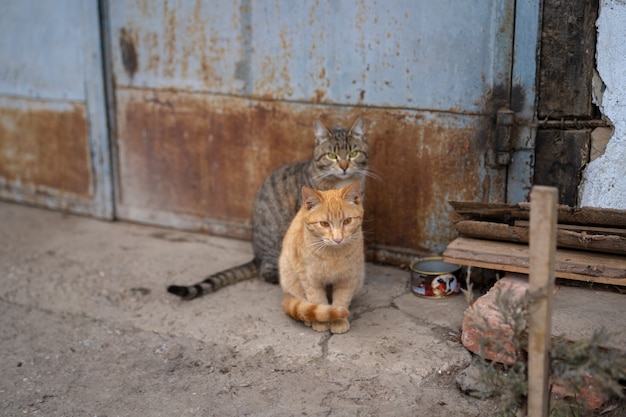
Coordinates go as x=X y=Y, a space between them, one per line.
x=212 y=95
x=54 y=143
x=207 y=97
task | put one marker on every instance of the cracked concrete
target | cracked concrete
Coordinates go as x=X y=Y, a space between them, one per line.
x=88 y=329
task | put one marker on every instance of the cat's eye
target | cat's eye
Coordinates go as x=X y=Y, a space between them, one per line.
x=353 y=154
x=332 y=155
x=324 y=224
x=347 y=221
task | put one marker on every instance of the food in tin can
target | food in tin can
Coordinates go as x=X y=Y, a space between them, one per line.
x=434 y=278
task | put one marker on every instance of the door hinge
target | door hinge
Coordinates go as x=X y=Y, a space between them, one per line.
x=501 y=155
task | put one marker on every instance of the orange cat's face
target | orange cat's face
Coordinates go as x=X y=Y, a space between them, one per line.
x=333 y=217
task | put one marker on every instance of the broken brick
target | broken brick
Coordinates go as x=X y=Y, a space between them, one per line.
x=484 y=331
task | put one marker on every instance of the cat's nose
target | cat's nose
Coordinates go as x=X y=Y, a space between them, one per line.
x=343 y=164
x=338 y=239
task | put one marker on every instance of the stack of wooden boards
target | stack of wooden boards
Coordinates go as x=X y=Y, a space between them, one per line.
x=591 y=242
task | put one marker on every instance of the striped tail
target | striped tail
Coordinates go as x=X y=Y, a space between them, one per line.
x=303 y=310
x=216 y=281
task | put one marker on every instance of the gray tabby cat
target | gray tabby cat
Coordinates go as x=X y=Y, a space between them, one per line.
x=339 y=157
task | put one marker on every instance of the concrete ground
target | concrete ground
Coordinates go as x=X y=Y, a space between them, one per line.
x=87 y=328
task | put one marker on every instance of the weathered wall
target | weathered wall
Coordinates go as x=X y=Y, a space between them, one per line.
x=604 y=181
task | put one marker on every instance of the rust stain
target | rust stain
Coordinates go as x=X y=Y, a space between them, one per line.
x=319 y=96
x=151 y=42
x=203 y=48
x=46 y=149
x=423 y=164
x=128 y=52
x=182 y=47
x=275 y=79
x=169 y=32
x=202 y=156
x=144 y=8
x=206 y=156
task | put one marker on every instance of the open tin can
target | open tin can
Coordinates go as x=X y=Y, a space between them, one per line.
x=434 y=278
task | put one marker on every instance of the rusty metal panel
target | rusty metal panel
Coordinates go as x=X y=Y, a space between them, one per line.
x=37 y=49
x=54 y=144
x=436 y=55
x=195 y=161
x=424 y=160
x=44 y=147
x=213 y=95
x=408 y=54
x=184 y=45
x=202 y=157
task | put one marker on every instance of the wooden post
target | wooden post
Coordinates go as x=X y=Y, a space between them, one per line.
x=542 y=248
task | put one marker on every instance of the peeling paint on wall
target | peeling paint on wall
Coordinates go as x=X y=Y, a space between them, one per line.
x=604 y=181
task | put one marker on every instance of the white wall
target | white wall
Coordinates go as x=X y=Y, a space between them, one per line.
x=604 y=179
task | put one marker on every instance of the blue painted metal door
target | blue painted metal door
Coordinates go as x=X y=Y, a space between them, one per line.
x=212 y=95
x=54 y=144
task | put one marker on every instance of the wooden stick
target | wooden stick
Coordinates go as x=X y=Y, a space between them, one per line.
x=542 y=248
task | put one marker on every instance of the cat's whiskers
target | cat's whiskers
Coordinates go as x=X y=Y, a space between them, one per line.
x=316 y=246
x=355 y=172
x=362 y=234
x=369 y=172
x=356 y=234
x=323 y=175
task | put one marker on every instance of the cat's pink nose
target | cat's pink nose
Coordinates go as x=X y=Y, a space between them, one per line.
x=338 y=239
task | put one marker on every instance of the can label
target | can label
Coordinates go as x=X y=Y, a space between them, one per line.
x=434 y=286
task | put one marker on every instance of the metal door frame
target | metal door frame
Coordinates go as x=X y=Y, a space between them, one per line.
x=526 y=44
x=98 y=112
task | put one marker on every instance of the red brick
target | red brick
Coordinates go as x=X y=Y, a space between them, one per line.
x=483 y=315
x=589 y=395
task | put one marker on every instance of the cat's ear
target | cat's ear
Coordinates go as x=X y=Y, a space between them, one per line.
x=358 y=129
x=310 y=198
x=352 y=193
x=321 y=132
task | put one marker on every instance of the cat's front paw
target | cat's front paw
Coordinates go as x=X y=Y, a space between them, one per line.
x=340 y=326
x=321 y=326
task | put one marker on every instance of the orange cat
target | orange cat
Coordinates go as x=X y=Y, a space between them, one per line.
x=322 y=256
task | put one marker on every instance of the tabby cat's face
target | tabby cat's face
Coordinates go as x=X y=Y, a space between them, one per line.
x=341 y=153
x=334 y=217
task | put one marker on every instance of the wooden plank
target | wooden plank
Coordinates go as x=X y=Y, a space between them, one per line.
x=587 y=229
x=568 y=39
x=490 y=211
x=591 y=216
x=542 y=249
x=513 y=257
x=560 y=156
x=565 y=238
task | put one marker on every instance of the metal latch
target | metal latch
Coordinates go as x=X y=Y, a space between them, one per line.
x=504 y=122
